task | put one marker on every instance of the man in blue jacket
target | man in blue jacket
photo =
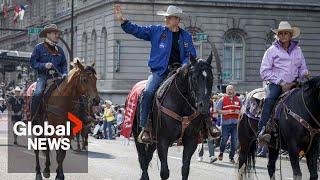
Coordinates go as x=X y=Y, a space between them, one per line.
x=170 y=44
x=46 y=56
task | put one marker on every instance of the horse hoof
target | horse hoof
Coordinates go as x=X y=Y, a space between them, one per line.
x=60 y=178
x=38 y=177
x=46 y=174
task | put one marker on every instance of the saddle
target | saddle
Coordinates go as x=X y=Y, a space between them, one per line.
x=51 y=85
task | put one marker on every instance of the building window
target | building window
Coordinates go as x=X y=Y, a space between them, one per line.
x=103 y=58
x=84 y=45
x=233 y=57
x=94 y=46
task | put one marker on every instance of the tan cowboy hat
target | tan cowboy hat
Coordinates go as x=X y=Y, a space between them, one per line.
x=108 y=102
x=75 y=61
x=47 y=29
x=172 y=11
x=17 y=89
x=285 y=26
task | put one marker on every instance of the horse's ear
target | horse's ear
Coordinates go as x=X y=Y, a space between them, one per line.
x=209 y=60
x=185 y=69
x=79 y=65
x=93 y=64
x=192 y=59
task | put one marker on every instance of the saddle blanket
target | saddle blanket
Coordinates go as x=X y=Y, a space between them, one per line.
x=131 y=107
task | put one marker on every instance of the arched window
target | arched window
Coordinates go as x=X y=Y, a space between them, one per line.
x=93 y=57
x=104 y=56
x=233 y=56
x=84 y=46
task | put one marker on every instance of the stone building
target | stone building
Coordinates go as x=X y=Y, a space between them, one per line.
x=239 y=31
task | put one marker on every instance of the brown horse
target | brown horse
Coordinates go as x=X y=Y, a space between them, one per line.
x=80 y=81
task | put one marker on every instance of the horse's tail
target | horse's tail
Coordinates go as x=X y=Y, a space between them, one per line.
x=251 y=161
x=248 y=147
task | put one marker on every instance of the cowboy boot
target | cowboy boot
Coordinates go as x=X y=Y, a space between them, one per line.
x=212 y=130
x=145 y=135
x=264 y=137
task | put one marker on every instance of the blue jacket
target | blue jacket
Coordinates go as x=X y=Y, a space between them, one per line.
x=40 y=56
x=161 y=42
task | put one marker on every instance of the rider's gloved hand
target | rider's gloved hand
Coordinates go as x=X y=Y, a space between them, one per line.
x=48 y=65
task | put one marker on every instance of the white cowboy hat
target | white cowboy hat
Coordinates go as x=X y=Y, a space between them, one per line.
x=285 y=26
x=108 y=102
x=17 y=89
x=47 y=29
x=172 y=11
x=75 y=61
x=1 y=98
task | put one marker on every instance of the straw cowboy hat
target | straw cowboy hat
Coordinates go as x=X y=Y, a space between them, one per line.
x=108 y=102
x=47 y=29
x=172 y=11
x=285 y=26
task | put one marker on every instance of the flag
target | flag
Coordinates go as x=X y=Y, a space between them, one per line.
x=16 y=15
x=21 y=12
x=5 y=10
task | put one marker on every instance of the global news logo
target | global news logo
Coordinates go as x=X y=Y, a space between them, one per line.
x=48 y=137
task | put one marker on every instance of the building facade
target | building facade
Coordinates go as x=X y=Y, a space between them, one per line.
x=239 y=31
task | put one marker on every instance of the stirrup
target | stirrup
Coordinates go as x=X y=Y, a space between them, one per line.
x=140 y=137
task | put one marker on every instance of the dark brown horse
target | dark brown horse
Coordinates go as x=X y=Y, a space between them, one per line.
x=187 y=98
x=81 y=81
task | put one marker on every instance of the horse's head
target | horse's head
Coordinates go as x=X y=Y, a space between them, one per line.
x=313 y=87
x=200 y=79
x=86 y=81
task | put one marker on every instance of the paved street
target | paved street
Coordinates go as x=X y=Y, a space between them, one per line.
x=112 y=159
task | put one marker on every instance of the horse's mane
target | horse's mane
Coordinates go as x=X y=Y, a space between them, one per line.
x=312 y=83
x=71 y=73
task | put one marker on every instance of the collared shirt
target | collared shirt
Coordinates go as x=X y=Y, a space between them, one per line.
x=160 y=38
x=40 y=56
x=279 y=65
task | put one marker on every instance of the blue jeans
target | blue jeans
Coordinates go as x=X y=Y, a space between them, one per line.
x=107 y=125
x=41 y=83
x=273 y=92
x=210 y=147
x=154 y=80
x=229 y=130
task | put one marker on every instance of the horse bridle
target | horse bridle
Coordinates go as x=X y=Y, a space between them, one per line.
x=185 y=120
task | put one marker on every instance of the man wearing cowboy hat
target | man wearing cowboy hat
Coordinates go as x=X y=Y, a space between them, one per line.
x=283 y=65
x=15 y=105
x=170 y=44
x=47 y=56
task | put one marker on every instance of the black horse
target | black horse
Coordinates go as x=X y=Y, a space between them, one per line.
x=187 y=95
x=298 y=127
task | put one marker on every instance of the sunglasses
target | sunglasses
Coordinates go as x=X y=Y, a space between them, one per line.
x=284 y=33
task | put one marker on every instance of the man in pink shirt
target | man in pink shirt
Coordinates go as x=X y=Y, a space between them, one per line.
x=283 y=65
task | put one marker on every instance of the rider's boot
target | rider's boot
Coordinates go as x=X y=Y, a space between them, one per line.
x=145 y=135
x=264 y=137
x=212 y=130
